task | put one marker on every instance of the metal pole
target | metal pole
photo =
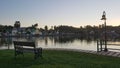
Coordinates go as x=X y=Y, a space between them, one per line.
x=105 y=37
x=97 y=46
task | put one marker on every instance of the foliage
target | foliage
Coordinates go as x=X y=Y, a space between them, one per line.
x=35 y=25
x=6 y=28
x=17 y=24
x=88 y=31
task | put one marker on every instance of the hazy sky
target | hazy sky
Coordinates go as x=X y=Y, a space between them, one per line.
x=59 y=12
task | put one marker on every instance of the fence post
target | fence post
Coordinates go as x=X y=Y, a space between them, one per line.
x=97 y=46
x=100 y=45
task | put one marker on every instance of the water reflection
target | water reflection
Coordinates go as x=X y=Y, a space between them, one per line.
x=53 y=42
x=5 y=42
x=48 y=42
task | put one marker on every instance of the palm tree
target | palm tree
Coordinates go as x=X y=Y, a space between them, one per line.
x=17 y=24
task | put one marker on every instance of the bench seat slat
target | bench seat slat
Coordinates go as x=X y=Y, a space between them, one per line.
x=30 y=50
x=21 y=47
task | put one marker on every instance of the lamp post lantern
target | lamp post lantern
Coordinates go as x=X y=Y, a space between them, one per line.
x=105 y=34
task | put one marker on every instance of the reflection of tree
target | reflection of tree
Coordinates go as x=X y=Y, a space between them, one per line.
x=46 y=41
x=52 y=39
x=6 y=42
x=67 y=39
x=64 y=39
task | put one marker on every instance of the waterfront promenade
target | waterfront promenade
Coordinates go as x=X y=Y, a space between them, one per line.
x=108 y=53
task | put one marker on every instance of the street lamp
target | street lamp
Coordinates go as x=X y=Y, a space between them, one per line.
x=104 y=19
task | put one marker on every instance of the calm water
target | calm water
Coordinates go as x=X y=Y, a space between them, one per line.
x=57 y=42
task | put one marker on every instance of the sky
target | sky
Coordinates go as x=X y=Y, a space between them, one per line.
x=59 y=12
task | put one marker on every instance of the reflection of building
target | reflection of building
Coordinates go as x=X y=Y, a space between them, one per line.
x=5 y=42
x=20 y=31
x=14 y=31
x=36 y=32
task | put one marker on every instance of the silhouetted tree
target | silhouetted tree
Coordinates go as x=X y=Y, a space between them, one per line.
x=17 y=24
x=35 y=26
x=46 y=28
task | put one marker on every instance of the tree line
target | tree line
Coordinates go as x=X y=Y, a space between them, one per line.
x=62 y=30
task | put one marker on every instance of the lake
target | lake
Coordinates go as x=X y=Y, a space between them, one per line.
x=57 y=42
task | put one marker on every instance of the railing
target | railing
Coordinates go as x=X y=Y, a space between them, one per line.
x=101 y=46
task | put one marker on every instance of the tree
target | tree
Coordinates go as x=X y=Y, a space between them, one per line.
x=17 y=24
x=35 y=25
x=46 y=28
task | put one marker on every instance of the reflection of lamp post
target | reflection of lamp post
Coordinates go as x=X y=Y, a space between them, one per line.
x=104 y=18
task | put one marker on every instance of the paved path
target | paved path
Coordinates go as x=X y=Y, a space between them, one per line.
x=108 y=53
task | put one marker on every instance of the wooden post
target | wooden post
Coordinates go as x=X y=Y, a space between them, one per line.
x=100 y=45
x=97 y=46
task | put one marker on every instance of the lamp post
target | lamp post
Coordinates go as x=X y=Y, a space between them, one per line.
x=105 y=39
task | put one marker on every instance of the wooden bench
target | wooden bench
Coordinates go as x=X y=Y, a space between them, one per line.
x=22 y=46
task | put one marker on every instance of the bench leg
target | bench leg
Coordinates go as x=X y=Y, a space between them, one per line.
x=38 y=53
x=41 y=52
x=15 y=54
x=18 y=53
x=36 y=56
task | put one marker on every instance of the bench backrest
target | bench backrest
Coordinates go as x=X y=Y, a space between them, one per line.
x=22 y=43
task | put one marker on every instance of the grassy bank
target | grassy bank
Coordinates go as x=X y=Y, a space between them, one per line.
x=57 y=59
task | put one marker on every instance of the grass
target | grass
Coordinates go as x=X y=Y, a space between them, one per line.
x=57 y=59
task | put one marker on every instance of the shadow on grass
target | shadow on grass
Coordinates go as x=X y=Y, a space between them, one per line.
x=7 y=60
